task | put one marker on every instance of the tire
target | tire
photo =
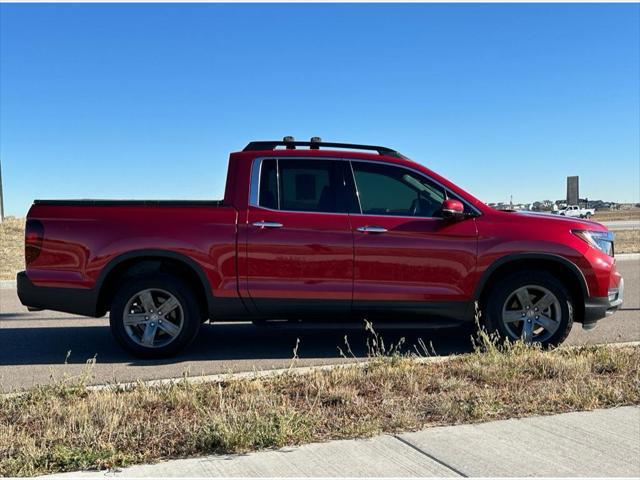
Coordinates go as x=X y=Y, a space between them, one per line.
x=144 y=330
x=510 y=320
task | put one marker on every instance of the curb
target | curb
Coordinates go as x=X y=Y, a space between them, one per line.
x=627 y=256
x=256 y=374
x=225 y=377
x=8 y=284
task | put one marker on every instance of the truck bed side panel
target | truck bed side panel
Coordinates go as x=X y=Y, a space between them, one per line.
x=81 y=240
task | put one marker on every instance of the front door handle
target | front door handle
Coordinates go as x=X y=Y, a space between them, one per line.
x=264 y=224
x=372 y=229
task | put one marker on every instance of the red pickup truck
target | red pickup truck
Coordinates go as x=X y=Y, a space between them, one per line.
x=322 y=231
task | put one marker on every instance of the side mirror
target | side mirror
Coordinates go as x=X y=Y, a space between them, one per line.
x=452 y=209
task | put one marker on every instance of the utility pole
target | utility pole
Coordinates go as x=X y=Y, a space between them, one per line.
x=1 y=196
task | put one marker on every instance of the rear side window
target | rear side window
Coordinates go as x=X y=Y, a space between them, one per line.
x=269 y=184
x=302 y=185
x=389 y=190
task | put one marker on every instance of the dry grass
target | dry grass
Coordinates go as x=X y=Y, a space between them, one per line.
x=11 y=247
x=611 y=215
x=66 y=427
x=627 y=241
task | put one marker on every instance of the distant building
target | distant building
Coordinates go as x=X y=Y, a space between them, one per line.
x=573 y=194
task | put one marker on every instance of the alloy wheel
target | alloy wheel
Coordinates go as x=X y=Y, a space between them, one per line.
x=153 y=318
x=532 y=313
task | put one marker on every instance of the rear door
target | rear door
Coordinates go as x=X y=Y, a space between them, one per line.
x=299 y=243
x=407 y=257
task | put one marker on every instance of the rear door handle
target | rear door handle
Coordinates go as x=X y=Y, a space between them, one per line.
x=372 y=229
x=265 y=224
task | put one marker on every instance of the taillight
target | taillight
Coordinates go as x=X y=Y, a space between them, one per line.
x=33 y=236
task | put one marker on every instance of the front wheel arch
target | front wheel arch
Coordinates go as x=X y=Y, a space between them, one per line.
x=565 y=270
x=549 y=325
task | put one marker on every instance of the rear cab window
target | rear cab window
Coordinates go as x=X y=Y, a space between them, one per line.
x=303 y=185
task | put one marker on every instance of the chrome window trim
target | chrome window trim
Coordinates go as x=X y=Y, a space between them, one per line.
x=277 y=182
x=254 y=188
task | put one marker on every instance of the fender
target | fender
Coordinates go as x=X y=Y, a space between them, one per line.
x=114 y=262
x=219 y=307
x=577 y=273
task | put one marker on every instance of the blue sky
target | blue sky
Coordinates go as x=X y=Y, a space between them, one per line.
x=146 y=101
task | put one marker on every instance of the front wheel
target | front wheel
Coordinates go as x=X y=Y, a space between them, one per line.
x=532 y=306
x=154 y=317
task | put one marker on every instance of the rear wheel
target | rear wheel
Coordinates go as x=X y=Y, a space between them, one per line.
x=154 y=317
x=532 y=306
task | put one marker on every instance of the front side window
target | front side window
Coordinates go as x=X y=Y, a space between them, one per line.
x=389 y=190
x=302 y=185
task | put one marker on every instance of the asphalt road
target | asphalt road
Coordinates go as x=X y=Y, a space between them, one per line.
x=622 y=224
x=40 y=347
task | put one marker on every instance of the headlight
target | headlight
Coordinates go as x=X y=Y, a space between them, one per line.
x=603 y=241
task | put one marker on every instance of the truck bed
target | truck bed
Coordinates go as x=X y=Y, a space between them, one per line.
x=113 y=203
x=81 y=239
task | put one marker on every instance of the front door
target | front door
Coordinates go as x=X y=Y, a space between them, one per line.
x=299 y=241
x=407 y=257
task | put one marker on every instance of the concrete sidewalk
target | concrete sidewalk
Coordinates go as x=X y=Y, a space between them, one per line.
x=593 y=444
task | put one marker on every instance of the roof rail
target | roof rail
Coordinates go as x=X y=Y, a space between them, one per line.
x=290 y=144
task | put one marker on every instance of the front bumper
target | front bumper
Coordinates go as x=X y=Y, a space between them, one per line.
x=597 y=308
x=81 y=301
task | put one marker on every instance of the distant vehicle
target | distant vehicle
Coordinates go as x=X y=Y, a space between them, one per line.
x=576 y=211
x=330 y=232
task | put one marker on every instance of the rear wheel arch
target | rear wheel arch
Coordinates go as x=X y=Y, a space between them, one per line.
x=563 y=269
x=148 y=262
